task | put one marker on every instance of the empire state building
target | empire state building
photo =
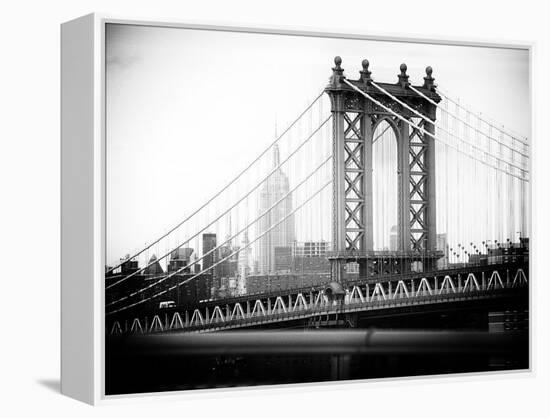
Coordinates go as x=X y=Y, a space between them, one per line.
x=283 y=235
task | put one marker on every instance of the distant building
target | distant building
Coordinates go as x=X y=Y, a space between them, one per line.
x=129 y=266
x=226 y=262
x=208 y=244
x=208 y=260
x=311 y=249
x=442 y=245
x=306 y=265
x=244 y=264
x=273 y=190
x=232 y=286
x=283 y=259
x=154 y=268
x=180 y=258
x=310 y=257
x=192 y=292
x=194 y=264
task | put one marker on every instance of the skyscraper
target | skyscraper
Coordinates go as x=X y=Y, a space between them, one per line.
x=244 y=264
x=179 y=258
x=283 y=235
x=208 y=244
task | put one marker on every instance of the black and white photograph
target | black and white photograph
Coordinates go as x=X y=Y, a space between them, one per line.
x=300 y=208
x=274 y=209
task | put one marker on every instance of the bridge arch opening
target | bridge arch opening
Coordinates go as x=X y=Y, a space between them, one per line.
x=386 y=233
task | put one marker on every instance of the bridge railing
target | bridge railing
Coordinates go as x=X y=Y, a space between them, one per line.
x=342 y=308
x=381 y=295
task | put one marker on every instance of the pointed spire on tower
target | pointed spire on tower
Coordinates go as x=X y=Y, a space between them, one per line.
x=276 y=158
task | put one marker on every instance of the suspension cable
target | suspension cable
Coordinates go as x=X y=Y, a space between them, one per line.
x=498 y=141
x=224 y=188
x=300 y=146
x=137 y=292
x=225 y=258
x=420 y=115
x=381 y=133
x=516 y=137
x=387 y=109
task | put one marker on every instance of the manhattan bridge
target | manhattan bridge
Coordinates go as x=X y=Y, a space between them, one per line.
x=413 y=202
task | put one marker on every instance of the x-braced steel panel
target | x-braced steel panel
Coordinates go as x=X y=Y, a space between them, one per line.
x=354 y=178
x=418 y=191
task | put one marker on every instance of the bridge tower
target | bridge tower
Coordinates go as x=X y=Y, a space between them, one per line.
x=355 y=118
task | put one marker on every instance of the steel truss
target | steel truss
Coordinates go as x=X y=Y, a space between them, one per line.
x=438 y=288
x=354 y=179
x=419 y=197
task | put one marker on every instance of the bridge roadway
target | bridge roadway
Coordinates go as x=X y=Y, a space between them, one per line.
x=381 y=277
x=389 y=294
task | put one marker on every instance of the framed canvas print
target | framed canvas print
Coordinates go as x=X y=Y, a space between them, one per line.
x=259 y=206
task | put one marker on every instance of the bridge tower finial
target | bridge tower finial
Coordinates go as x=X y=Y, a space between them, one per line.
x=429 y=80
x=337 y=72
x=403 y=77
x=365 y=73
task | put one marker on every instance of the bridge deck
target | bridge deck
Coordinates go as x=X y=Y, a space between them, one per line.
x=488 y=284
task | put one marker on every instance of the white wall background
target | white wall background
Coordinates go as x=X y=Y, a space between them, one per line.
x=29 y=209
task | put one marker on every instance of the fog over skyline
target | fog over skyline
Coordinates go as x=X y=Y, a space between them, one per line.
x=188 y=109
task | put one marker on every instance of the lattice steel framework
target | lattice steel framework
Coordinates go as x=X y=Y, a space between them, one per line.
x=354 y=181
x=355 y=119
x=418 y=190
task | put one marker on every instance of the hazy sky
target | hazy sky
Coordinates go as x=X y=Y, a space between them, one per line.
x=187 y=109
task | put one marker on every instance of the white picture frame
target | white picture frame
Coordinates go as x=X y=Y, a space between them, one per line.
x=83 y=189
